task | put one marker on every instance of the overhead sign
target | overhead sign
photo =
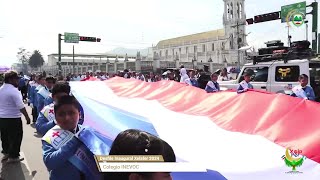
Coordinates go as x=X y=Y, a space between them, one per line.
x=71 y=37
x=289 y=12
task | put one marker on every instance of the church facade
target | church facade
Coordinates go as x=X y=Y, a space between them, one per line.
x=216 y=48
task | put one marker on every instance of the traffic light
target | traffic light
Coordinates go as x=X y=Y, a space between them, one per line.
x=249 y=21
x=89 y=39
x=267 y=17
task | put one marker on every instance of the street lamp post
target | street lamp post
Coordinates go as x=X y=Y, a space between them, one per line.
x=306 y=22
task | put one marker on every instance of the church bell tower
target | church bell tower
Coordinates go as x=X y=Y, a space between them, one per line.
x=234 y=21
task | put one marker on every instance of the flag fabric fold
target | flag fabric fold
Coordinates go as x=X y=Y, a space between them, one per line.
x=241 y=136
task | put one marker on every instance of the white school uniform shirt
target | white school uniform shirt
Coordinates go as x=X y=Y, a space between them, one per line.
x=224 y=78
x=299 y=92
x=184 y=77
x=10 y=101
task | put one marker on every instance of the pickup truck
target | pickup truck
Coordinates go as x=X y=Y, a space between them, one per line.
x=279 y=76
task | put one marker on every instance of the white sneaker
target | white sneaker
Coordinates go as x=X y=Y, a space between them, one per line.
x=5 y=157
x=14 y=160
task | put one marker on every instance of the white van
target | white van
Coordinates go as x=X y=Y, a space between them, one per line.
x=278 y=76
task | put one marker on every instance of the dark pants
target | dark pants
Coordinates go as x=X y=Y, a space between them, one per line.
x=11 y=136
x=24 y=92
x=34 y=114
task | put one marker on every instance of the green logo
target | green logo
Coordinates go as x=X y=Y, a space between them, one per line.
x=298 y=19
x=293 y=159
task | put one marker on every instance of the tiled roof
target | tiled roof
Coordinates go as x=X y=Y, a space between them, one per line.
x=193 y=37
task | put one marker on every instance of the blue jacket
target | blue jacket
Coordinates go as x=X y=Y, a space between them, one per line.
x=309 y=93
x=57 y=160
x=194 y=82
x=43 y=124
x=35 y=97
x=212 y=87
x=22 y=82
x=31 y=93
x=41 y=100
x=241 y=88
x=45 y=120
x=48 y=101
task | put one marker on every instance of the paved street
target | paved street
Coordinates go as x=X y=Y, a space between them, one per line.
x=32 y=167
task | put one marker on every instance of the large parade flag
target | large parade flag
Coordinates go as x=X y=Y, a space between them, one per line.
x=249 y=136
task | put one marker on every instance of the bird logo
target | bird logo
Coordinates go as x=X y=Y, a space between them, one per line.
x=293 y=162
x=284 y=72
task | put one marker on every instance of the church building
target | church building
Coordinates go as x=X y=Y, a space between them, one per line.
x=218 y=47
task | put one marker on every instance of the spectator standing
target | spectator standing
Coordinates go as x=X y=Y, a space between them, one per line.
x=303 y=90
x=224 y=76
x=11 y=107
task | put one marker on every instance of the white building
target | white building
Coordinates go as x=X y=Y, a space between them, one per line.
x=89 y=62
x=217 y=47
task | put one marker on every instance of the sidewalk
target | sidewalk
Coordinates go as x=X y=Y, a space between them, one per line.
x=16 y=171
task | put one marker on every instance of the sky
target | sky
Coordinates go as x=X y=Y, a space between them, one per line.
x=35 y=24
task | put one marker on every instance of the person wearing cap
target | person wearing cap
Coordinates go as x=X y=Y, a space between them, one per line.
x=303 y=90
x=213 y=85
x=11 y=107
x=245 y=84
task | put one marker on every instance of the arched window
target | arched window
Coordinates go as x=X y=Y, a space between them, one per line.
x=228 y=11
x=231 y=41
x=231 y=11
x=240 y=11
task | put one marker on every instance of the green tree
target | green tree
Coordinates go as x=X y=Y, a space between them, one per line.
x=36 y=59
x=23 y=57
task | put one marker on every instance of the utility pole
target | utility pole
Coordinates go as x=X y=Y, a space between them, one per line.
x=306 y=22
x=289 y=37
x=59 y=53
x=238 y=41
x=314 y=25
x=73 y=63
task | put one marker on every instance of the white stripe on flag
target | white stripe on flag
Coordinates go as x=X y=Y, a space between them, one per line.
x=197 y=139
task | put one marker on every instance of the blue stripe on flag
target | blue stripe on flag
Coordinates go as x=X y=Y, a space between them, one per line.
x=111 y=121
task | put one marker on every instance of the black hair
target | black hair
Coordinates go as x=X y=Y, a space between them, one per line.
x=66 y=100
x=136 y=142
x=10 y=75
x=40 y=77
x=303 y=76
x=61 y=87
x=246 y=74
x=214 y=74
x=51 y=78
